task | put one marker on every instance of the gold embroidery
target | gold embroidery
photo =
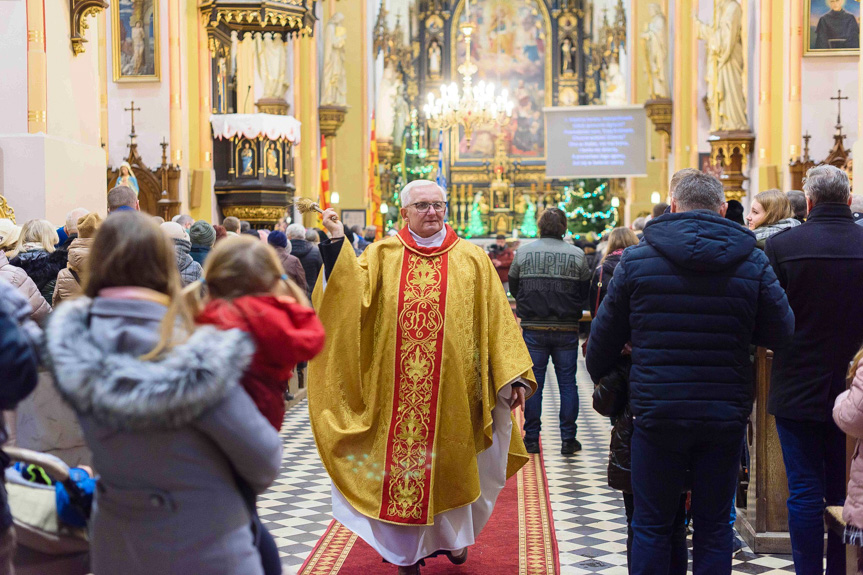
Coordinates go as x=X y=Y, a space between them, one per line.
x=420 y=323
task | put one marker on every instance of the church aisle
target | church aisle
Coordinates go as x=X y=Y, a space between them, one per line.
x=588 y=515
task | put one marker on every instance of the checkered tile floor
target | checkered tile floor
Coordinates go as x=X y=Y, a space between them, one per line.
x=588 y=515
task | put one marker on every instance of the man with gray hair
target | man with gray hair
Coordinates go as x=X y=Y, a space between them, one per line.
x=184 y=220
x=69 y=231
x=690 y=298
x=820 y=266
x=121 y=199
x=307 y=253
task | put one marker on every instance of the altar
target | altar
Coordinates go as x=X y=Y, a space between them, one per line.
x=254 y=165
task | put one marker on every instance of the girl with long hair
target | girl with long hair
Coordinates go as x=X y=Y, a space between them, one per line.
x=171 y=430
x=769 y=214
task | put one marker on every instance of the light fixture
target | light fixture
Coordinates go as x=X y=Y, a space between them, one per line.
x=476 y=106
x=615 y=202
x=655 y=198
x=334 y=198
x=385 y=209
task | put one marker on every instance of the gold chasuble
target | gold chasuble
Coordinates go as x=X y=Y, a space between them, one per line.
x=419 y=343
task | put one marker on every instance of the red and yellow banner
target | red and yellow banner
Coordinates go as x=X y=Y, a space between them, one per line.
x=374 y=190
x=325 y=176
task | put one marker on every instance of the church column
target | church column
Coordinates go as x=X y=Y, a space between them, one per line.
x=349 y=162
x=793 y=133
x=764 y=95
x=246 y=74
x=175 y=86
x=200 y=160
x=685 y=90
x=306 y=111
x=103 y=80
x=857 y=148
x=37 y=69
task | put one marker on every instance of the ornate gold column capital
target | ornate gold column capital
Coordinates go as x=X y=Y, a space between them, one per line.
x=80 y=11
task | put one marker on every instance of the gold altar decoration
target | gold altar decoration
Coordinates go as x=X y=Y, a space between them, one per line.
x=331 y=119
x=256 y=214
x=80 y=11
x=283 y=17
x=661 y=112
x=732 y=149
x=6 y=210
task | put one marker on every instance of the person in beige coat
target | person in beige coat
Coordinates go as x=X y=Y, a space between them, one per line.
x=69 y=279
x=848 y=415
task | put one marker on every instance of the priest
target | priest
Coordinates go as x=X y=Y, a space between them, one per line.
x=411 y=399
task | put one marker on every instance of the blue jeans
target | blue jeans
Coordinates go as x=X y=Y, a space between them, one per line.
x=814 y=454
x=661 y=460
x=562 y=347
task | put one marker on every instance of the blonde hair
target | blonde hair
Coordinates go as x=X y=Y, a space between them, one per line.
x=620 y=239
x=855 y=363
x=131 y=250
x=776 y=206
x=237 y=266
x=38 y=232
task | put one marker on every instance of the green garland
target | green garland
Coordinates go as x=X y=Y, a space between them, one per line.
x=588 y=208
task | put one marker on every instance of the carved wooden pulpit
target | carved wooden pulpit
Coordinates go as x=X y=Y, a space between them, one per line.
x=253 y=160
x=763 y=524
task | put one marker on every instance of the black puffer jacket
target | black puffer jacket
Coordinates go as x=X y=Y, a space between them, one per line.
x=310 y=257
x=42 y=268
x=611 y=399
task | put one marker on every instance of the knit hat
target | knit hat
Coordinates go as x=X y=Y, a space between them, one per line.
x=174 y=231
x=277 y=239
x=9 y=232
x=202 y=234
x=88 y=225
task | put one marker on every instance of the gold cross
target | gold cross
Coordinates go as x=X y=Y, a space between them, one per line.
x=133 y=109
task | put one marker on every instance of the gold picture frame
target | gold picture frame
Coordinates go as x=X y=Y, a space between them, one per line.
x=128 y=63
x=814 y=10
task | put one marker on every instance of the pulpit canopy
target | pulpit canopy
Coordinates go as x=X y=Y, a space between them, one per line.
x=283 y=17
x=251 y=126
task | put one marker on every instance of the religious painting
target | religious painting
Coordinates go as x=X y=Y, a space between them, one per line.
x=833 y=28
x=135 y=32
x=273 y=160
x=245 y=161
x=510 y=49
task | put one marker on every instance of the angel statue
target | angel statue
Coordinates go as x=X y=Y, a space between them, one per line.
x=335 y=89
x=656 y=49
x=725 y=67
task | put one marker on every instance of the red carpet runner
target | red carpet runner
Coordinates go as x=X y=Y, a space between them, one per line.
x=501 y=548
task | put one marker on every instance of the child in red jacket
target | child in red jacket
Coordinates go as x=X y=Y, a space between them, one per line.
x=246 y=289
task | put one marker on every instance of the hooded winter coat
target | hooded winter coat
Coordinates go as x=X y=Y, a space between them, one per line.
x=691 y=298
x=293 y=267
x=285 y=333
x=19 y=279
x=67 y=285
x=169 y=437
x=42 y=268
x=190 y=270
x=848 y=415
x=310 y=256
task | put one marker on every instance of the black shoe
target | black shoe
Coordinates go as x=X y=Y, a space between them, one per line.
x=289 y=396
x=569 y=447
x=532 y=445
x=458 y=557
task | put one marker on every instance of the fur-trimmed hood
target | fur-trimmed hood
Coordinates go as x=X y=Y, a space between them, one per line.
x=124 y=393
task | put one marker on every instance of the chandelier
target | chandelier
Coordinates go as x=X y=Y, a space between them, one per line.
x=476 y=106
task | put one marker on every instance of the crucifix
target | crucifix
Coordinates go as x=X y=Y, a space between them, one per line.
x=133 y=109
x=839 y=99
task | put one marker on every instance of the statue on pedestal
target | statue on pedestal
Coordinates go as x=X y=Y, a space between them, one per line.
x=725 y=67
x=272 y=60
x=656 y=49
x=335 y=87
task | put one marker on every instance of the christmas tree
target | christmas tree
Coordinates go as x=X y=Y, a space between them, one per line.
x=528 y=225
x=587 y=205
x=476 y=227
